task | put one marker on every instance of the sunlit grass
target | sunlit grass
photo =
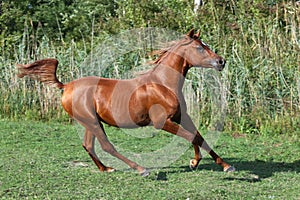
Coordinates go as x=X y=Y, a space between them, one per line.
x=38 y=160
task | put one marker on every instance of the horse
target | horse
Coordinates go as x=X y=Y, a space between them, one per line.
x=154 y=98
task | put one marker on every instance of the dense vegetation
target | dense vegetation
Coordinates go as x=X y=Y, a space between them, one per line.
x=259 y=89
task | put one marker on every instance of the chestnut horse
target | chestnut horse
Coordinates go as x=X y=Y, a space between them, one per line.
x=154 y=98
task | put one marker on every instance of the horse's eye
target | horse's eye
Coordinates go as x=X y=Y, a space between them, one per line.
x=199 y=47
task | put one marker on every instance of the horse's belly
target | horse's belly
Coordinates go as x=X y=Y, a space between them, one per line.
x=123 y=118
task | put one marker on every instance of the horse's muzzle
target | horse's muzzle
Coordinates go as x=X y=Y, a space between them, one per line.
x=220 y=64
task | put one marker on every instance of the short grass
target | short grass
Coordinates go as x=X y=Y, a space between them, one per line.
x=46 y=161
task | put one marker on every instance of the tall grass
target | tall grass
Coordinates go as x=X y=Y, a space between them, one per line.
x=24 y=98
x=262 y=76
x=258 y=90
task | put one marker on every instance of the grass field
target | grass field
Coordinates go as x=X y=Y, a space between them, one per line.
x=46 y=161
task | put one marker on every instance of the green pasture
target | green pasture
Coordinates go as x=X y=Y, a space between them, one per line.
x=46 y=161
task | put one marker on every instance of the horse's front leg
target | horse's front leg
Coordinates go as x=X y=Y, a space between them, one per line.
x=196 y=139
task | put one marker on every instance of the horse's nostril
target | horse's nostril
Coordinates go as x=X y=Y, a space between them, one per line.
x=222 y=61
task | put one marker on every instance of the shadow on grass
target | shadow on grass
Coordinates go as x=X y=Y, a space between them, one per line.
x=257 y=169
x=263 y=169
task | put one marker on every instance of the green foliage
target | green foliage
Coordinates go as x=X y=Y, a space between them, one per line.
x=259 y=39
x=161 y=13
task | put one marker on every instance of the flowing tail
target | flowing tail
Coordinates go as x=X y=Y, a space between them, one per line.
x=42 y=70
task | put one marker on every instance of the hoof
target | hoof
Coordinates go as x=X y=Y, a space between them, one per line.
x=229 y=169
x=145 y=173
x=193 y=164
x=109 y=169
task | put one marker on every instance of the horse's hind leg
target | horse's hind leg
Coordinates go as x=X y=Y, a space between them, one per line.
x=109 y=148
x=188 y=125
x=88 y=145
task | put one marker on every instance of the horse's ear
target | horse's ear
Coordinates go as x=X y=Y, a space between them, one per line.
x=191 y=33
x=197 y=35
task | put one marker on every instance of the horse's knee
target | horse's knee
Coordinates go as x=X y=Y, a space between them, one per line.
x=159 y=123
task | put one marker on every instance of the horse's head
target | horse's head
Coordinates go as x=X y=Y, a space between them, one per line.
x=198 y=54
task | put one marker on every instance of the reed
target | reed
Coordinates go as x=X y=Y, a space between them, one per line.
x=262 y=75
x=27 y=99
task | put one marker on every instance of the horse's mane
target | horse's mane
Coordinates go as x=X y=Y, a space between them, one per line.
x=163 y=51
x=160 y=55
x=166 y=49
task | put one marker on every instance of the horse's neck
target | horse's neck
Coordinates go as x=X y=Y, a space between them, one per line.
x=171 y=72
